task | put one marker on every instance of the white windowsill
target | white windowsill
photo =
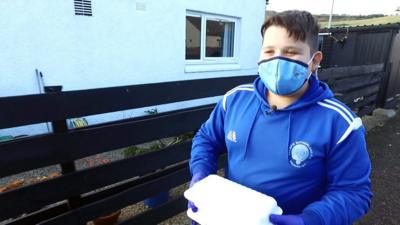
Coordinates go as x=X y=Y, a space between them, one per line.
x=192 y=68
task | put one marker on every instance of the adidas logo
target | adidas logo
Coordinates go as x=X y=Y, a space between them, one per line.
x=231 y=136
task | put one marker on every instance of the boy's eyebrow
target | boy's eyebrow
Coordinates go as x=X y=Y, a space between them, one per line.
x=267 y=47
x=292 y=47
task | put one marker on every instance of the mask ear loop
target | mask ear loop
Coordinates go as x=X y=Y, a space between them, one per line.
x=309 y=62
x=316 y=72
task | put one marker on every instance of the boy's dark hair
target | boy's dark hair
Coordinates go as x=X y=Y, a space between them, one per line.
x=301 y=25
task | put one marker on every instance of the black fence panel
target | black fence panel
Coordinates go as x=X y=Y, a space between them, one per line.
x=356 y=86
x=355 y=46
x=30 y=198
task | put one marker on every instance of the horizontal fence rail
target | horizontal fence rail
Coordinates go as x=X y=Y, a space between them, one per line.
x=72 y=104
x=35 y=152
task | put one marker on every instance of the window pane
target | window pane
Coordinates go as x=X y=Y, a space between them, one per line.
x=193 y=37
x=220 y=38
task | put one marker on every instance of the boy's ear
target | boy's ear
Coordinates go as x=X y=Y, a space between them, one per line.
x=316 y=60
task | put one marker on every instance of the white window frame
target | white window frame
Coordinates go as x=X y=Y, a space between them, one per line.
x=213 y=63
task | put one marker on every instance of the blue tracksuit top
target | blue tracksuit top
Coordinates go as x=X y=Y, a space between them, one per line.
x=310 y=156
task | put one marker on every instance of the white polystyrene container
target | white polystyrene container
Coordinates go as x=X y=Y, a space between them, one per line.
x=221 y=201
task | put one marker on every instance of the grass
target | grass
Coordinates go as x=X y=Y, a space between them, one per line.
x=372 y=21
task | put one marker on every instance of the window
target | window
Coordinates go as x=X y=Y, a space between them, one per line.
x=193 y=37
x=210 y=38
x=219 y=38
x=83 y=7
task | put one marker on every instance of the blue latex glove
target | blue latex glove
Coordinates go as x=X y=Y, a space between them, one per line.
x=286 y=219
x=195 y=178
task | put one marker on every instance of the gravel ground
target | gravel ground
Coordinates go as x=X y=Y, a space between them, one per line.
x=384 y=149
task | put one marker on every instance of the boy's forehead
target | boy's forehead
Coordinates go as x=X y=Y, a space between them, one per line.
x=276 y=36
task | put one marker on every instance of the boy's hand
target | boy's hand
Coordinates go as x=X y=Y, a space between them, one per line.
x=286 y=219
x=196 y=178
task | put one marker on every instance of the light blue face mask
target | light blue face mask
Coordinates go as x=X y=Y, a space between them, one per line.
x=283 y=76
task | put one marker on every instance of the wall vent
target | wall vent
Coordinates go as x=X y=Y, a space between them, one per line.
x=83 y=7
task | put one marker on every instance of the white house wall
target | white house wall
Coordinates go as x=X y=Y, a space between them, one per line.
x=118 y=45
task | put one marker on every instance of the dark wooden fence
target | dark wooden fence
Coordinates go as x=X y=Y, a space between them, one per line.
x=356 y=46
x=356 y=86
x=367 y=45
x=65 y=146
x=134 y=178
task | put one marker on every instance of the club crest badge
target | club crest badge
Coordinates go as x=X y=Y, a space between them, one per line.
x=299 y=153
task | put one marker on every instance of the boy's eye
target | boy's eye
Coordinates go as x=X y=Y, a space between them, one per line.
x=269 y=51
x=291 y=53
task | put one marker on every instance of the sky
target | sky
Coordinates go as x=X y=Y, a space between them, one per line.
x=351 y=7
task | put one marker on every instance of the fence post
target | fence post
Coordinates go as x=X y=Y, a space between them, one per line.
x=381 y=101
x=383 y=89
x=60 y=126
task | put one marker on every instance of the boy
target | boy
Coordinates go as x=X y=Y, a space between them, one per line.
x=286 y=135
